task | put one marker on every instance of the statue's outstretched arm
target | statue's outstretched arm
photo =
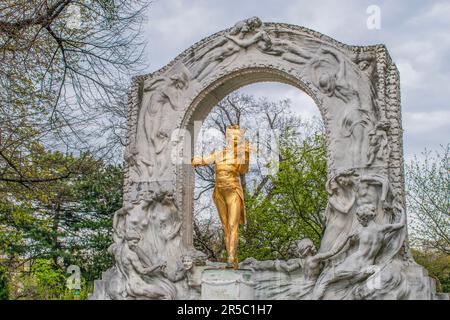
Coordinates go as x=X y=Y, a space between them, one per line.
x=344 y=208
x=245 y=43
x=203 y=161
x=289 y=265
x=395 y=226
x=333 y=252
x=140 y=268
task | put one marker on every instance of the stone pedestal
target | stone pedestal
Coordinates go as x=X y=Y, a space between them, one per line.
x=227 y=284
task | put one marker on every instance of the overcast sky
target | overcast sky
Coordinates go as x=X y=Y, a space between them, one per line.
x=416 y=33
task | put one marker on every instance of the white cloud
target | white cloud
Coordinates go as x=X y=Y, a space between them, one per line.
x=419 y=123
x=175 y=25
x=329 y=17
x=410 y=77
x=301 y=102
x=438 y=13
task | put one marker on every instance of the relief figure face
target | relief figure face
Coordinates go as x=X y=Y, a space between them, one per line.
x=343 y=181
x=365 y=214
x=187 y=262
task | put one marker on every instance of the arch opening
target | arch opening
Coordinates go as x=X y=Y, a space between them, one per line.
x=294 y=121
x=202 y=106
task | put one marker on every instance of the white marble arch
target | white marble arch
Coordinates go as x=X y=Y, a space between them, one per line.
x=356 y=89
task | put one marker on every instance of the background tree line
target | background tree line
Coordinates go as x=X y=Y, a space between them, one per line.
x=65 y=68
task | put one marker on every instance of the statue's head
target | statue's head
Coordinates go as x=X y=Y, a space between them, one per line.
x=305 y=247
x=234 y=133
x=345 y=178
x=187 y=261
x=168 y=199
x=342 y=179
x=193 y=257
x=132 y=237
x=254 y=23
x=365 y=213
x=245 y=26
x=179 y=81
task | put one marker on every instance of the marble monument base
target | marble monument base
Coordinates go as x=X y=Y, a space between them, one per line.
x=227 y=284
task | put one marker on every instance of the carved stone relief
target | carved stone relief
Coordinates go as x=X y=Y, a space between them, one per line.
x=363 y=253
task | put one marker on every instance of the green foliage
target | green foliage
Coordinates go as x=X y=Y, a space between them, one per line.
x=58 y=83
x=98 y=196
x=427 y=187
x=67 y=221
x=4 y=282
x=438 y=266
x=50 y=280
x=293 y=207
x=47 y=281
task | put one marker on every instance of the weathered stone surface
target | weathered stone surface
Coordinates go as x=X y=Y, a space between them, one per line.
x=364 y=252
x=227 y=284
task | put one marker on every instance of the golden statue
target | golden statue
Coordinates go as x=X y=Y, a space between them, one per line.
x=228 y=195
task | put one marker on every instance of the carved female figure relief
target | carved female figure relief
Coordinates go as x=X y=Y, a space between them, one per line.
x=136 y=275
x=330 y=75
x=310 y=262
x=287 y=50
x=164 y=233
x=328 y=72
x=229 y=45
x=164 y=97
x=379 y=149
x=140 y=166
x=116 y=288
x=169 y=222
x=339 y=214
x=306 y=266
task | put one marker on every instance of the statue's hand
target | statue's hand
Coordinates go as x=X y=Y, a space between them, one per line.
x=196 y=161
x=163 y=266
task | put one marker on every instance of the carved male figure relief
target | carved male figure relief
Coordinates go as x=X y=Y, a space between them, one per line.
x=369 y=241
